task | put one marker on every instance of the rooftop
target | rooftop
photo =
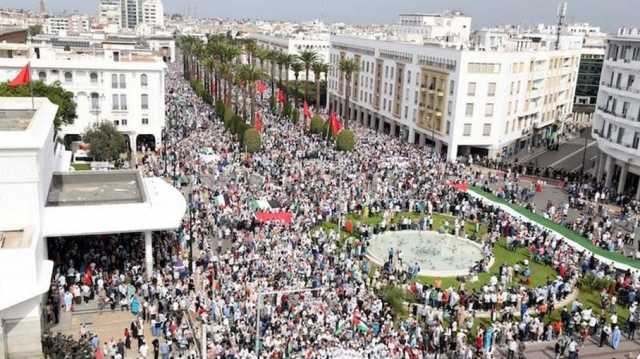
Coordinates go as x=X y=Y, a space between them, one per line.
x=15 y=120
x=95 y=188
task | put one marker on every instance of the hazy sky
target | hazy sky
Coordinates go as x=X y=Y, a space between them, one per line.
x=610 y=14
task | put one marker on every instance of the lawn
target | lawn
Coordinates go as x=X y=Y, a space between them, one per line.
x=81 y=166
x=540 y=273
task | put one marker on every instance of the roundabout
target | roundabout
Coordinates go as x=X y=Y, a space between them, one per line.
x=437 y=254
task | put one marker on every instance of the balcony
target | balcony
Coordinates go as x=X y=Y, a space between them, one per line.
x=621 y=91
x=618 y=150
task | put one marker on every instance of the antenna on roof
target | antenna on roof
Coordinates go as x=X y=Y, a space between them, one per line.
x=562 y=15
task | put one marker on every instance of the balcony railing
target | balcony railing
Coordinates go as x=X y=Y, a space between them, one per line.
x=627 y=89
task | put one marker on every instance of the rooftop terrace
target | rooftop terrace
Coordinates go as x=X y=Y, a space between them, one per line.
x=95 y=188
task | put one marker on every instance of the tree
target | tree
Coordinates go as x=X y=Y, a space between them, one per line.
x=317 y=125
x=35 y=30
x=252 y=141
x=250 y=74
x=308 y=58
x=105 y=142
x=55 y=93
x=346 y=140
x=297 y=68
x=347 y=68
x=318 y=68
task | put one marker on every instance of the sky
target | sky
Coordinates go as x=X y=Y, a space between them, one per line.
x=609 y=14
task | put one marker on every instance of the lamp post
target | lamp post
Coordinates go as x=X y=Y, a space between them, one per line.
x=191 y=214
x=259 y=304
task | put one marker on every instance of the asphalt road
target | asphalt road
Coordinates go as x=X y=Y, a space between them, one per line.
x=570 y=154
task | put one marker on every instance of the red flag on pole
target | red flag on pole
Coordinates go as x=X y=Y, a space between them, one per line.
x=258 y=122
x=261 y=87
x=336 y=126
x=23 y=77
x=280 y=96
x=307 y=113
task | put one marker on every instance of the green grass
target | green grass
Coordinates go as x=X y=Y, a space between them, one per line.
x=567 y=233
x=81 y=166
x=540 y=272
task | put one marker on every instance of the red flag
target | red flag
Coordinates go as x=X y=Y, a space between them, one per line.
x=336 y=126
x=23 y=77
x=261 y=87
x=280 y=96
x=258 y=122
x=307 y=113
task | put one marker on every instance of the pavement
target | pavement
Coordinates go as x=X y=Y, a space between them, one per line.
x=568 y=156
x=590 y=349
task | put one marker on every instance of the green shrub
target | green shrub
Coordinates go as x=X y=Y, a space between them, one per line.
x=395 y=298
x=228 y=117
x=346 y=140
x=220 y=109
x=295 y=115
x=251 y=140
x=326 y=130
x=286 y=111
x=317 y=125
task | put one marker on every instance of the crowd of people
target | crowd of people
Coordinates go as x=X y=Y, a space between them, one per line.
x=302 y=289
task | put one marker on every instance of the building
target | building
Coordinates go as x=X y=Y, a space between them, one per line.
x=616 y=123
x=38 y=202
x=110 y=15
x=294 y=45
x=61 y=25
x=112 y=80
x=450 y=27
x=153 y=13
x=463 y=100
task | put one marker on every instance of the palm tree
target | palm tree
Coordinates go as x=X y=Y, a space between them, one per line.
x=347 y=68
x=262 y=54
x=228 y=53
x=297 y=67
x=250 y=48
x=318 y=68
x=287 y=61
x=249 y=74
x=273 y=60
x=307 y=57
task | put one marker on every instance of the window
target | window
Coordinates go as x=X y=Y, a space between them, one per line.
x=123 y=102
x=467 y=130
x=123 y=82
x=486 y=129
x=491 y=91
x=115 y=100
x=451 y=87
x=471 y=90
x=408 y=77
x=448 y=127
x=42 y=76
x=114 y=81
x=469 y=110
x=620 y=135
x=636 y=140
x=68 y=77
x=144 y=80
x=116 y=56
x=630 y=81
x=449 y=107
x=144 y=100
x=116 y=122
x=95 y=101
x=488 y=110
x=123 y=122
x=625 y=108
x=93 y=77
x=145 y=121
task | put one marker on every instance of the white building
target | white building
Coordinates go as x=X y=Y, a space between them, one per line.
x=37 y=202
x=110 y=15
x=450 y=27
x=465 y=100
x=294 y=45
x=616 y=125
x=119 y=83
x=62 y=25
x=153 y=13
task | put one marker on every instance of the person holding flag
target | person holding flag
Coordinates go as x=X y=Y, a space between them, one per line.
x=258 y=122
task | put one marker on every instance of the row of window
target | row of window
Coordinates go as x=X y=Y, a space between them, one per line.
x=125 y=122
x=116 y=81
x=626 y=53
x=620 y=134
x=118 y=102
x=491 y=89
x=613 y=107
x=486 y=130
x=488 y=109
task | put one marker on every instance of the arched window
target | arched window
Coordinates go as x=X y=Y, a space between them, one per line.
x=95 y=101
x=114 y=81
x=68 y=77
x=144 y=81
x=93 y=77
x=144 y=100
x=42 y=76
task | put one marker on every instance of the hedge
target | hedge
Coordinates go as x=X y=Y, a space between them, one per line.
x=251 y=140
x=346 y=140
x=220 y=109
x=317 y=124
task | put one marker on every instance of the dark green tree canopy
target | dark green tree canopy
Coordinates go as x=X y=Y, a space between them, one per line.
x=106 y=143
x=252 y=141
x=55 y=93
